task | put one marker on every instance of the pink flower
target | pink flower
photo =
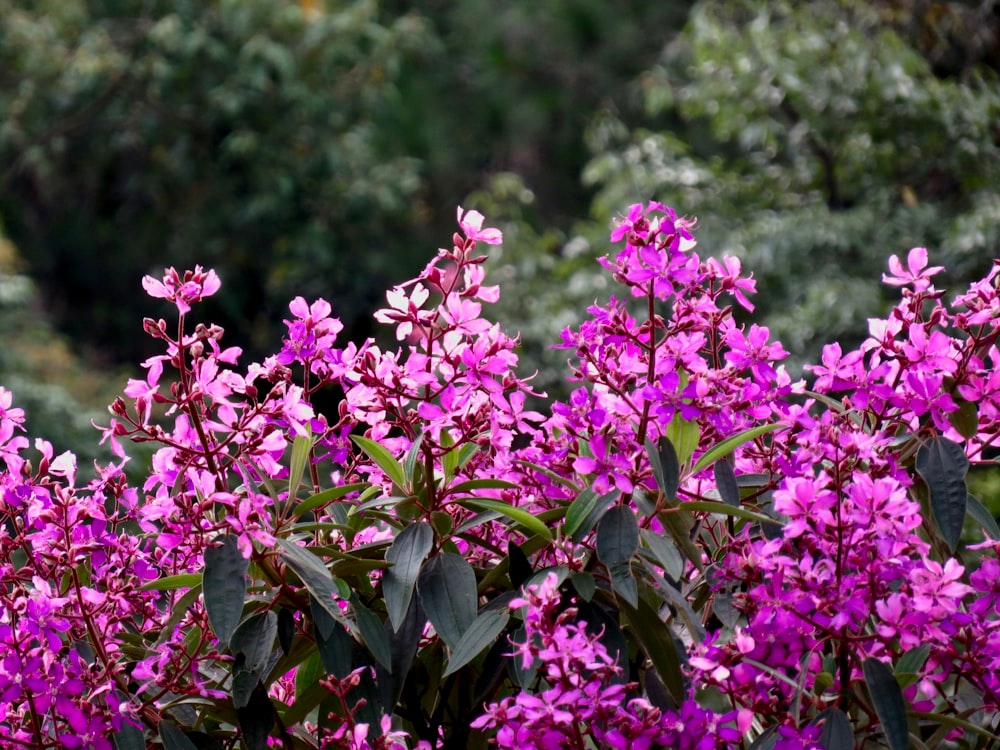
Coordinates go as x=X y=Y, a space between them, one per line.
x=915 y=273
x=471 y=222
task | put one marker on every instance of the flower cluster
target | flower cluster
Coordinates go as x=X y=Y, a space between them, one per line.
x=693 y=550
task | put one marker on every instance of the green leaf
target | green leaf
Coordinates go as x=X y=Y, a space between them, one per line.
x=173 y=738
x=657 y=642
x=665 y=552
x=554 y=476
x=383 y=459
x=372 y=633
x=447 y=588
x=711 y=506
x=665 y=465
x=256 y=719
x=482 y=633
x=889 y=703
x=481 y=484
x=411 y=461
x=407 y=554
x=979 y=512
x=913 y=660
x=170 y=583
x=678 y=523
x=254 y=638
x=224 y=584
x=943 y=465
x=301 y=449
x=584 y=584
x=518 y=515
x=286 y=629
x=965 y=419
x=314 y=574
x=617 y=543
x=683 y=436
x=730 y=444
x=327 y=496
x=585 y=511
x=128 y=737
x=333 y=642
x=725 y=482
x=837 y=733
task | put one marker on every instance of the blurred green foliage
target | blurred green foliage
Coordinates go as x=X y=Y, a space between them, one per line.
x=812 y=141
x=319 y=148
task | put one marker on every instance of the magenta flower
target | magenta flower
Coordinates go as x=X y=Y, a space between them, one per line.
x=471 y=222
x=916 y=272
x=184 y=290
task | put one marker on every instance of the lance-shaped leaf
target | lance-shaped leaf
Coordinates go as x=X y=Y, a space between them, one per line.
x=518 y=515
x=224 y=584
x=482 y=633
x=658 y=642
x=173 y=738
x=403 y=645
x=889 y=703
x=372 y=632
x=256 y=719
x=447 y=588
x=617 y=543
x=725 y=482
x=286 y=629
x=979 y=512
x=943 y=465
x=665 y=552
x=301 y=450
x=730 y=444
x=585 y=511
x=383 y=459
x=666 y=466
x=684 y=437
x=333 y=642
x=317 y=579
x=837 y=733
x=252 y=645
x=129 y=737
x=406 y=554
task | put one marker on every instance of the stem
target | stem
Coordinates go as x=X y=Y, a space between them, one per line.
x=650 y=367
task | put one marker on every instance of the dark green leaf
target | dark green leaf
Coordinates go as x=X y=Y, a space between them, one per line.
x=617 y=543
x=725 y=482
x=657 y=642
x=670 y=468
x=584 y=584
x=321 y=584
x=979 y=512
x=373 y=633
x=913 y=660
x=519 y=567
x=943 y=465
x=480 y=484
x=286 y=629
x=224 y=584
x=403 y=644
x=129 y=737
x=332 y=640
x=665 y=552
x=837 y=733
x=383 y=459
x=254 y=640
x=585 y=511
x=173 y=738
x=407 y=554
x=965 y=419
x=889 y=703
x=256 y=719
x=447 y=588
x=482 y=633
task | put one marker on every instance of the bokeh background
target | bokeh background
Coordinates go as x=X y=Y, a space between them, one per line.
x=320 y=148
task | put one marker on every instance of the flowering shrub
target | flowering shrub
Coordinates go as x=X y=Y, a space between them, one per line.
x=693 y=551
